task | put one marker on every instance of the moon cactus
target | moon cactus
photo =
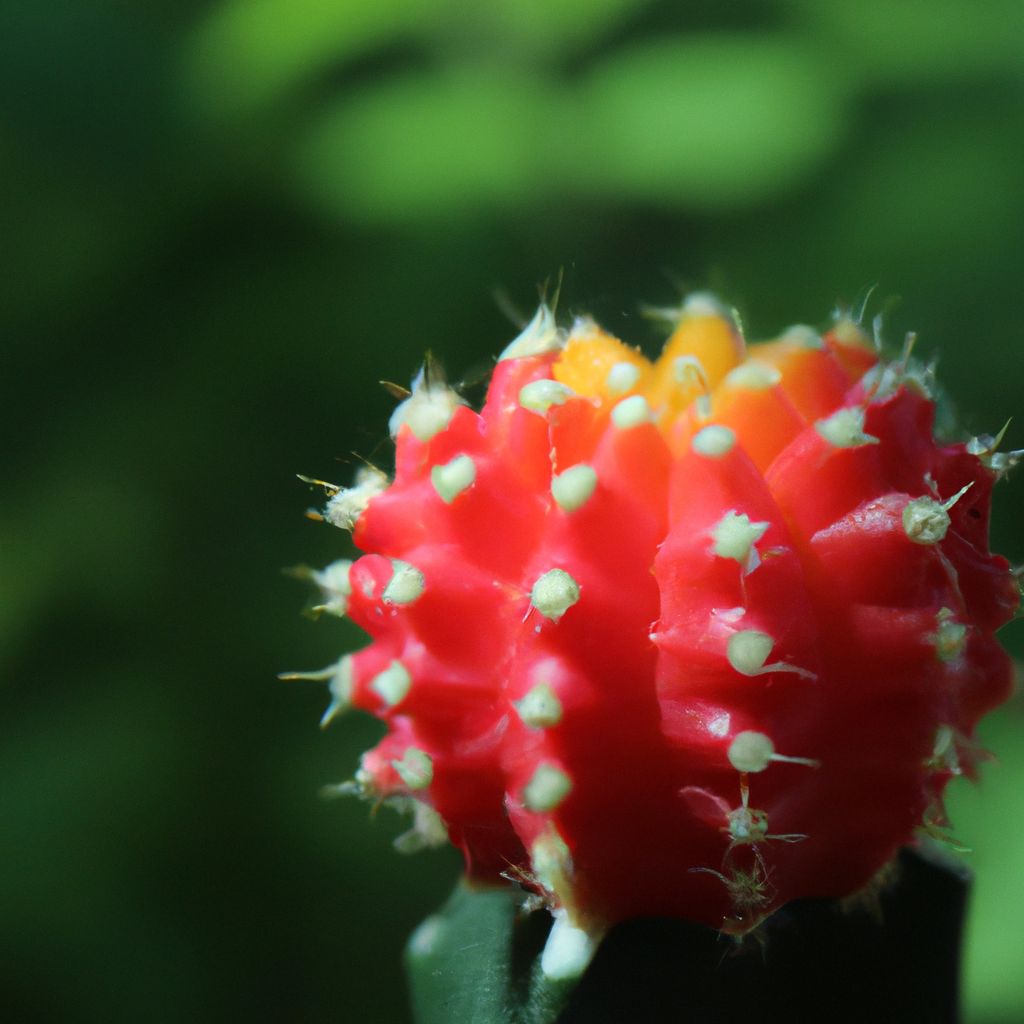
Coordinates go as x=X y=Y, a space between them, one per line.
x=690 y=637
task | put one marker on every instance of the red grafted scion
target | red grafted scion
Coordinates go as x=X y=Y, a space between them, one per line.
x=690 y=637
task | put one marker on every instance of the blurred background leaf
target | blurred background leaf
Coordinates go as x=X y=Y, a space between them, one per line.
x=225 y=221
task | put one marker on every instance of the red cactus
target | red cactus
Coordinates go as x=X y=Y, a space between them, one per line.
x=688 y=638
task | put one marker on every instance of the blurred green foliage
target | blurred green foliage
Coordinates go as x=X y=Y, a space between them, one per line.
x=224 y=222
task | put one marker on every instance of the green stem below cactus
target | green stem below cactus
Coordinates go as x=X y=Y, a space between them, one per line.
x=477 y=961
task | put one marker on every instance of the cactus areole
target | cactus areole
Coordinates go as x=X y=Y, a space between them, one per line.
x=692 y=637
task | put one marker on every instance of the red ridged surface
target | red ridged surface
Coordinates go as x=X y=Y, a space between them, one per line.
x=863 y=691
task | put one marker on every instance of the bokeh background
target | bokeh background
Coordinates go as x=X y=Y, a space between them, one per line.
x=224 y=222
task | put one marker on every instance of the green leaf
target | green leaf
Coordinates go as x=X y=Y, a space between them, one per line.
x=910 y=43
x=427 y=145
x=707 y=120
x=249 y=53
x=477 y=961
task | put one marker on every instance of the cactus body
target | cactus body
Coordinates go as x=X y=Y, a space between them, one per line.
x=693 y=637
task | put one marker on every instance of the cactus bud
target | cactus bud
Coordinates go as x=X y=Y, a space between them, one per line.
x=695 y=636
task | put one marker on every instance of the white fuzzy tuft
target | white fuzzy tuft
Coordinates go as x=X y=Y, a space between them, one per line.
x=751 y=751
x=392 y=684
x=622 y=377
x=547 y=788
x=345 y=507
x=714 y=441
x=406 y=583
x=631 y=412
x=416 y=768
x=734 y=537
x=427 y=410
x=540 y=708
x=539 y=336
x=539 y=395
x=554 y=593
x=925 y=521
x=451 y=479
x=753 y=375
x=572 y=488
x=845 y=428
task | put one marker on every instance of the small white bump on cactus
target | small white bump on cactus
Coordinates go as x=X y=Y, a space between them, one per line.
x=747 y=825
x=335 y=587
x=406 y=583
x=883 y=382
x=547 y=788
x=905 y=372
x=344 y=508
x=540 y=708
x=845 y=428
x=583 y=327
x=568 y=949
x=748 y=650
x=631 y=412
x=1002 y=462
x=392 y=684
x=985 y=446
x=551 y=865
x=925 y=521
x=753 y=375
x=801 y=334
x=554 y=593
x=714 y=441
x=719 y=725
x=573 y=487
x=451 y=479
x=752 y=752
x=699 y=304
x=428 y=830
x=429 y=407
x=945 y=755
x=696 y=305
x=950 y=636
x=734 y=537
x=622 y=377
x=846 y=326
x=539 y=395
x=415 y=768
x=540 y=335
x=688 y=372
